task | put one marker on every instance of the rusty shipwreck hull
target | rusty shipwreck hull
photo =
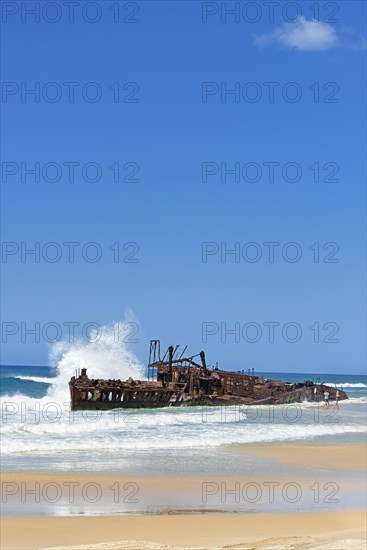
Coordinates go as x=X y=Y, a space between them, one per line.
x=184 y=382
x=87 y=394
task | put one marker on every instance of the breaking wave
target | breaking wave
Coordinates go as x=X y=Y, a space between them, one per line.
x=36 y=417
x=346 y=385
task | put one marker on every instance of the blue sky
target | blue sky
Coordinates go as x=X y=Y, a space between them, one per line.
x=172 y=116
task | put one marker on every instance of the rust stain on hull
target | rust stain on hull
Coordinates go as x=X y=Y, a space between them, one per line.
x=184 y=381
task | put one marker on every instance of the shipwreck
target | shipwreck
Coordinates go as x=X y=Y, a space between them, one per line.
x=175 y=381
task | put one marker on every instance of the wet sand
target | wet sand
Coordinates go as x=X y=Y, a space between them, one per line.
x=173 y=507
x=350 y=457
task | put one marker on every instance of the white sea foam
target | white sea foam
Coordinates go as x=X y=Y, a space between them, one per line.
x=105 y=356
x=46 y=426
x=36 y=429
x=345 y=385
x=38 y=379
x=106 y=436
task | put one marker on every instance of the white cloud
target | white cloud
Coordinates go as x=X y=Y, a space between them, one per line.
x=302 y=35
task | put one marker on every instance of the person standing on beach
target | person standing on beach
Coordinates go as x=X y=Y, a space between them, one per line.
x=337 y=395
x=326 y=399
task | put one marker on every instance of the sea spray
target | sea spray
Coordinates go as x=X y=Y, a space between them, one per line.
x=105 y=355
x=45 y=429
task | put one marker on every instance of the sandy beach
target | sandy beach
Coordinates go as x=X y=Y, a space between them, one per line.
x=196 y=512
x=325 y=531
x=333 y=457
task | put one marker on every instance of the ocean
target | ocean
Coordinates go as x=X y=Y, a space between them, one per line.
x=39 y=431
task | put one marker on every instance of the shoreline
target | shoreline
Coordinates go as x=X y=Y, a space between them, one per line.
x=246 y=511
x=330 y=455
x=292 y=478
x=336 y=456
x=349 y=456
